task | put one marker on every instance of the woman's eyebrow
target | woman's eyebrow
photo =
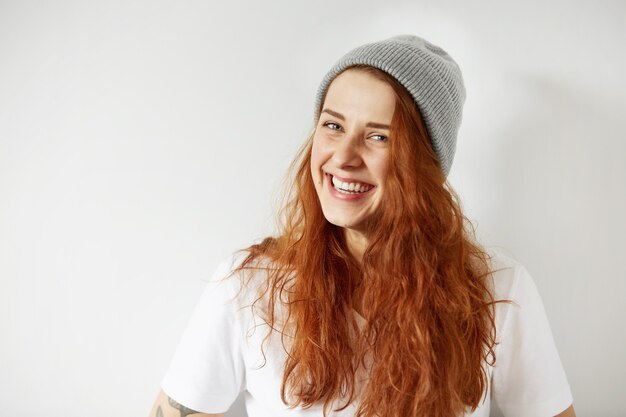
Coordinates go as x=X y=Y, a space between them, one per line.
x=369 y=124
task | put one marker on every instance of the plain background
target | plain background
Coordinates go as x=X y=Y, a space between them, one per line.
x=143 y=141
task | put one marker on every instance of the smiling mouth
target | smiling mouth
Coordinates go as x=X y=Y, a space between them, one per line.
x=349 y=187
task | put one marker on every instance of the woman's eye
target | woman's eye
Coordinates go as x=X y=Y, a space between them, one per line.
x=379 y=138
x=332 y=126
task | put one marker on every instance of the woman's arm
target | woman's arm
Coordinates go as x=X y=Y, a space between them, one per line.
x=164 y=406
x=569 y=412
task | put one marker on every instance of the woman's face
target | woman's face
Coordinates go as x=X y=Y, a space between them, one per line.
x=350 y=154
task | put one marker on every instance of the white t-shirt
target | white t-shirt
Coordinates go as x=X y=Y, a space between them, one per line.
x=220 y=355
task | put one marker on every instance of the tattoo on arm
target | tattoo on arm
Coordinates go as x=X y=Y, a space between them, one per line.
x=184 y=411
x=159 y=412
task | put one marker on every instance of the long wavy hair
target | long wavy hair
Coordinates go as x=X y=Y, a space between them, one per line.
x=429 y=319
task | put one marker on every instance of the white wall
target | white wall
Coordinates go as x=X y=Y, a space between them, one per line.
x=141 y=142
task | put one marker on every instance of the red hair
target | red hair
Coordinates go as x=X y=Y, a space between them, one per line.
x=430 y=320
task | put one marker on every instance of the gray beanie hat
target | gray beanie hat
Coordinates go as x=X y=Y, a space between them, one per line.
x=428 y=73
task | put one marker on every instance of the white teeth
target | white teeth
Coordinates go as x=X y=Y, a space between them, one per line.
x=354 y=187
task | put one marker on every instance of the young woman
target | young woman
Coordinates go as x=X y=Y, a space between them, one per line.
x=374 y=299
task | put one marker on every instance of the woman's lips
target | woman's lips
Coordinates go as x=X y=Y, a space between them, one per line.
x=347 y=196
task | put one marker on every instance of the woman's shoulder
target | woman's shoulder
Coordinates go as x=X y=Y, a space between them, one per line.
x=242 y=275
x=241 y=265
x=241 y=260
x=508 y=274
x=511 y=281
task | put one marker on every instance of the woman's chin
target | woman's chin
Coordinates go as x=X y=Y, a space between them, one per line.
x=346 y=222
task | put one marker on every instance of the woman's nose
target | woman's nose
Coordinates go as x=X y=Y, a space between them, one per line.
x=347 y=152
